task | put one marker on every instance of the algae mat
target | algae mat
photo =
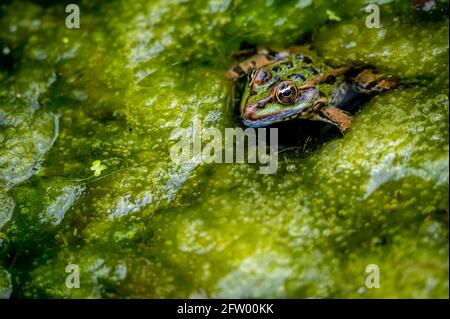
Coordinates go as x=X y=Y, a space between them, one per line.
x=86 y=117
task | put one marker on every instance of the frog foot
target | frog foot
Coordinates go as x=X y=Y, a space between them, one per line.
x=369 y=81
x=333 y=115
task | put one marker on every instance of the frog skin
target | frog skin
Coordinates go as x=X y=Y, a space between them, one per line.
x=296 y=84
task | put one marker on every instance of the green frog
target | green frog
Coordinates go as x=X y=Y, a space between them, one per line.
x=289 y=84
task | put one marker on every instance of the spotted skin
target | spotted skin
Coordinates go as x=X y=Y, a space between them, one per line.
x=295 y=83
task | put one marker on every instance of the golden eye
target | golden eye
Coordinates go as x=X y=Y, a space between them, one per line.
x=261 y=76
x=286 y=92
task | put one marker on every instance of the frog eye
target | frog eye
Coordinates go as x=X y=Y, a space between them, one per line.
x=286 y=92
x=261 y=76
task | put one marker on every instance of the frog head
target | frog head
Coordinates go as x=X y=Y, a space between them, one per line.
x=277 y=92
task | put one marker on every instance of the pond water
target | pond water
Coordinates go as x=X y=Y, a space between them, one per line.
x=139 y=225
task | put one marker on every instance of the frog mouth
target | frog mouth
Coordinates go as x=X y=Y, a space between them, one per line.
x=251 y=118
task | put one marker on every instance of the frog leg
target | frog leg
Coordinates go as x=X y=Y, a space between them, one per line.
x=262 y=58
x=322 y=111
x=333 y=115
x=369 y=81
x=355 y=90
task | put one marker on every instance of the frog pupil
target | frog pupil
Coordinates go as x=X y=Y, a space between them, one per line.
x=287 y=92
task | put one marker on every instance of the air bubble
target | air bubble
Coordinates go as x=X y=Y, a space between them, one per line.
x=291 y=168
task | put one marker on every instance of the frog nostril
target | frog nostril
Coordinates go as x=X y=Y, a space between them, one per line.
x=263 y=102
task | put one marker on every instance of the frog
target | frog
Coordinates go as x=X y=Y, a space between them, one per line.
x=296 y=83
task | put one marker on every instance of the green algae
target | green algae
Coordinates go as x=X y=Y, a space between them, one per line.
x=5 y=284
x=113 y=91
